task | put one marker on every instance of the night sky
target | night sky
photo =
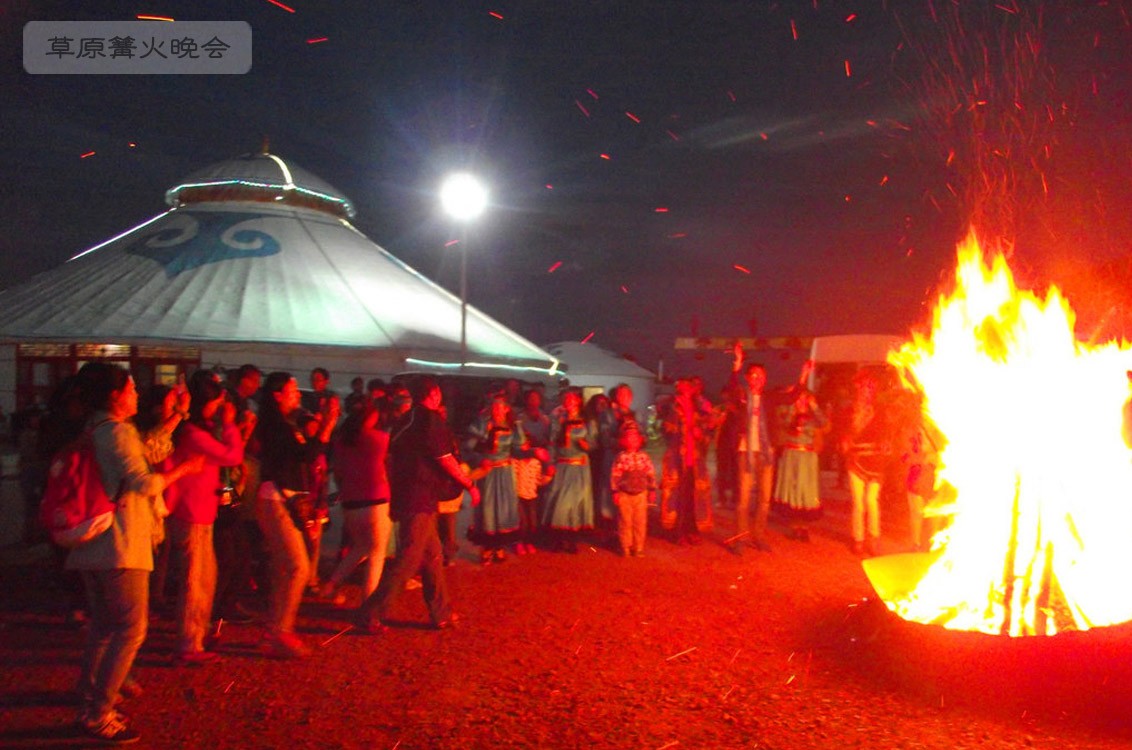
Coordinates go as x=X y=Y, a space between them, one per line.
x=685 y=168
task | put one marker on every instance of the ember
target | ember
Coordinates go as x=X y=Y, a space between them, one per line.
x=1034 y=473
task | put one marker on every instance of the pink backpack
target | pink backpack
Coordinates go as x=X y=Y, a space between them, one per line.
x=75 y=507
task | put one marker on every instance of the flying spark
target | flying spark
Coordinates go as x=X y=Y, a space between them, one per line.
x=589 y=336
x=154 y=18
x=554 y=267
x=317 y=40
x=88 y=153
x=281 y=5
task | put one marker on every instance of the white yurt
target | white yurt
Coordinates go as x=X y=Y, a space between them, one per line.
x=591 y=368
x=254 y=261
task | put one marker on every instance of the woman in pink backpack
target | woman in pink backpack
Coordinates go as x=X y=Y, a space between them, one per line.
x=115 y=565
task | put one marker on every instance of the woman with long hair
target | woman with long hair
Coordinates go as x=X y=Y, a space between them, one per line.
x=115 y=565
x=210 y=433
x=284 y=506
x=360 y=450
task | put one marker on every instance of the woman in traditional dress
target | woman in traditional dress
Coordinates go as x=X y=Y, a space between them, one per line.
x=797 y=482
x=569 y=502
x=497 y=515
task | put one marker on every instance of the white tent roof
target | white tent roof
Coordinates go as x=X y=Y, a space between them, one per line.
x=252 y=256
x=592 y=360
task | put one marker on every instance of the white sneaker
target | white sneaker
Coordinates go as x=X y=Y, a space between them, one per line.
x=111 y=729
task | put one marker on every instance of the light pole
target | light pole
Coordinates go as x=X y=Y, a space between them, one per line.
x=463 y=198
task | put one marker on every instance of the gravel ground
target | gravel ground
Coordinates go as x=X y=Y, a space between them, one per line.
x=688 y=647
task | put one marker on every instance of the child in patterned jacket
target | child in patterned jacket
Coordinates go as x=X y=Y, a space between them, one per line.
x=531 y=475
x=634 y=483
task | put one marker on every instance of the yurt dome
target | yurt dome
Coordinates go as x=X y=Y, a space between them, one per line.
x=261 y=177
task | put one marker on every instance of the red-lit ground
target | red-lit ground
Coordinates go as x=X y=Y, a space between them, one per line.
x=685 y=648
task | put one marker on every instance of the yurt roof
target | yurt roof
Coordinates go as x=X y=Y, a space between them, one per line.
x=260 y=177
x=247 y=271
x=590 y=359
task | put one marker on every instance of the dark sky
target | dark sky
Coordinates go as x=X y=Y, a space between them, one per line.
x=820 y=164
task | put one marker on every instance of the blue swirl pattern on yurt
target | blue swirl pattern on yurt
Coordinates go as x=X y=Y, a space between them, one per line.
x=188 y=241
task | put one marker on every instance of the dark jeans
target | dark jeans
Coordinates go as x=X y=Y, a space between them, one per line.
x=69 y=582
x=418 y=550
x=686 y=504
x=233 y=545
x=119 y=607
x=446 y=528
x=163 y=559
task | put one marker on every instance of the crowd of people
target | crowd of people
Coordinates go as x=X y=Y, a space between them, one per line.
x=770 y=448
x=222 y=488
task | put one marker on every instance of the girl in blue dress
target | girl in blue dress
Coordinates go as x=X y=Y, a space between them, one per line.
x=497 y=515
x=569 y=502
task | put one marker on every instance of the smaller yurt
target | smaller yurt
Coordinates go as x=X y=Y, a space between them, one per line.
x=594 y=369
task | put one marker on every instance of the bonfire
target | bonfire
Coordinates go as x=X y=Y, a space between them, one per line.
x=1035 y=474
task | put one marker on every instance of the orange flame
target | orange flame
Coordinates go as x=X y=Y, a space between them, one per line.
x=1035 y=475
